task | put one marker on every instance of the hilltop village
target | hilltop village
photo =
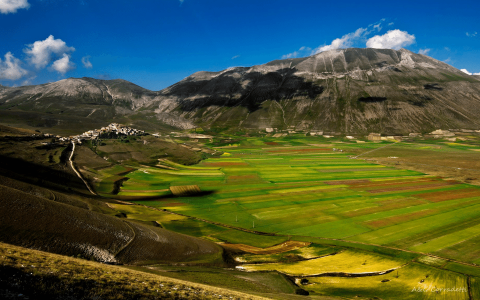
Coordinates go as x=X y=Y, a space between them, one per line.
x=115 y=130
x=112 y=130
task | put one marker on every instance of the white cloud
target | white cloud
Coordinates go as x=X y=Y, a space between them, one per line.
x=63 y=65
x=303 y=51
x=28 y=81
x=10 y=68
x=469 y=73
x=11 y=6
x=40 y=53
x=350 y=38
x=424 y=51
x=236 y=56
x=393 y=39
x=390 y=24
x=471 y=34
x=447 y=60
x=86 y=62
x=343 y=42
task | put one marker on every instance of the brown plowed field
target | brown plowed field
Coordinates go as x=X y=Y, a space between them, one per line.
x=400 y=219
x=348 y=182
x=280 y=248
x=388 y=206
x=450 y=195
x=393 y=182
x=414 y=187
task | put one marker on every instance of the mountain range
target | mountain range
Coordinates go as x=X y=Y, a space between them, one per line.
x=347 y=91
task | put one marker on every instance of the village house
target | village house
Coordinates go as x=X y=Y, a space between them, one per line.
x=374 y=137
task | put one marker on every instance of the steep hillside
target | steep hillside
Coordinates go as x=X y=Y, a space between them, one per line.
x=35 y=222
x=33 y=274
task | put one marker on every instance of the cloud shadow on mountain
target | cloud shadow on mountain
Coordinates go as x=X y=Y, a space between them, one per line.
x=250 y=92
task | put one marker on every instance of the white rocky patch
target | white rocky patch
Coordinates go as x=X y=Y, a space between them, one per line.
x=99 y=254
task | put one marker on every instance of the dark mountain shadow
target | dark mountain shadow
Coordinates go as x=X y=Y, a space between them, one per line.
x=432 y=86
x=40 y=175
x=372 y=99
x=224 y=90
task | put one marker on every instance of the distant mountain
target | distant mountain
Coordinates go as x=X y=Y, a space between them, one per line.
x=345 y=91
x=74 y=104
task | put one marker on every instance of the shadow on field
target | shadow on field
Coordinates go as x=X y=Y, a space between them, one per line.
x=164 y=197
x=57 y=179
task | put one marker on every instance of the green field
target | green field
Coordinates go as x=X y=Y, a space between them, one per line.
x=298 y=188
x=352 y=262
x=414 y=281
x=361 y=216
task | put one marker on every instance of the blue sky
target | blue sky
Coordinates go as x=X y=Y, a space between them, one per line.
x=155 y=43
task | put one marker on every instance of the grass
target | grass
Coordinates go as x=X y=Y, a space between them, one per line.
x=268 y=284
x=448 y=240
x=414 y=281
x=42 y=275
x=32 y=221
x=464 y=269
x=241 y=237
x=344 y=262
x=290 y=186
x=308 y=189
x=309 y=252
x=432 y=261
x=475 y=287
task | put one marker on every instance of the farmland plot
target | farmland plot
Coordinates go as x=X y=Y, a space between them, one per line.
x=414 y=281
x=348 y=262
x=310 y=190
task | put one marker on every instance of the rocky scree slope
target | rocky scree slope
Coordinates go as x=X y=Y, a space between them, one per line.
x=347 y=91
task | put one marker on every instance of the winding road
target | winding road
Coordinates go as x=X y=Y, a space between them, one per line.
x=78 y=173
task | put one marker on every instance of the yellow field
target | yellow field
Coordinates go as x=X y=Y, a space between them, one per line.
x=345 y=262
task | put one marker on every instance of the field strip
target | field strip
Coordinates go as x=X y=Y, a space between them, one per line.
x=398 y=231
x=448 y=240
x=355 y=157
x=413 y=187
x=350 y=243
x=344 y=274
x=347 y=263
x=144 y=191
x=420 y=164
x=307 y=189
x=280 y=248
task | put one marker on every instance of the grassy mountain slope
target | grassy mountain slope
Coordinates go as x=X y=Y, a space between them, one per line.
x=34 y=222
x=33 y=274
